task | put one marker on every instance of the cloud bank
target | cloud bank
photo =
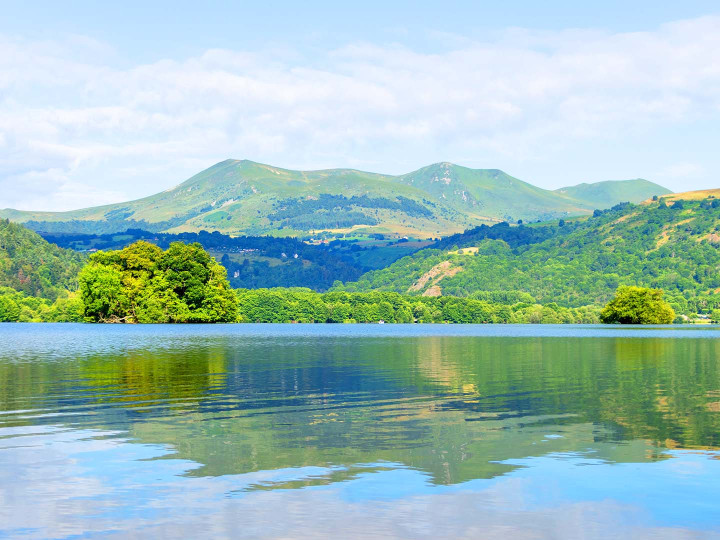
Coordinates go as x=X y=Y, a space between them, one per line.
x=79 y=128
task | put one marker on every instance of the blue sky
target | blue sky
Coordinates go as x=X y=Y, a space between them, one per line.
x=102 y=103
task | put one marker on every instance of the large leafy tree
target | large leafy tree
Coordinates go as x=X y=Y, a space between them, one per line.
x=142 y=283
x=637 y=305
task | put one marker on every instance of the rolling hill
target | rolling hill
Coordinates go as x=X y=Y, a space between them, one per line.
x=608 y=193
x=248 y=198
x=672 y=243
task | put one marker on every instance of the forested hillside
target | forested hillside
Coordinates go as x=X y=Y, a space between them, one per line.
x=264 y=261
x=31 y=265
x=673 y=246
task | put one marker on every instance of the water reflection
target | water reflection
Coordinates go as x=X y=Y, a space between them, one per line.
x=81 y=483
x=162 y=429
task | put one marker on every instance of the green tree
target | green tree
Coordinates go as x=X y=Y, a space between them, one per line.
x=637 y=305
x=102 y=292
x=9 y=309
x=68 y=308
x=142 y=283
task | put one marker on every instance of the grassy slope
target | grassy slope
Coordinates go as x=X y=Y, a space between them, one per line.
x=491 y=194
x=607 y=194
x=581 y=263
x=690 y=195
x=247 y=192
x=236 y=197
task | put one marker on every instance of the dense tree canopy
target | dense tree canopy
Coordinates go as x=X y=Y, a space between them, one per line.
x=33 y=266
x=637 y=305
x=259 y=261
x=304 y=305
x=16 y=306
x=675 y=248
x=142 y=283
x=503 y=273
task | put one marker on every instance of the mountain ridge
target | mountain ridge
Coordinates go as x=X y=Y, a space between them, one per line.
x=607 y=192
x=245 y=197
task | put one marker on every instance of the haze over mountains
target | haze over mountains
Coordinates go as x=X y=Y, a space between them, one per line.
x=244 y=197
x=609 y=193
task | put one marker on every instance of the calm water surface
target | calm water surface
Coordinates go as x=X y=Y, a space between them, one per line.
x=359 y=431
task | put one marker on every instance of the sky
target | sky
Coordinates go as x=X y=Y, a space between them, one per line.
x=106 y=102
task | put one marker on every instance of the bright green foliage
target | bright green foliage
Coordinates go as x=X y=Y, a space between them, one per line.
x=637 y=305
x=304 y=305
x=31 y=265
x=16 y=306
x=68 y=308
x=582 y=263
x=142 y=283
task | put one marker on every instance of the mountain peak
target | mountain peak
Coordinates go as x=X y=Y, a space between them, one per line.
x=240 y=196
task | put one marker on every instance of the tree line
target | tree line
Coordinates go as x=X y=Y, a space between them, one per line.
x=143 y=283
x=307 y=306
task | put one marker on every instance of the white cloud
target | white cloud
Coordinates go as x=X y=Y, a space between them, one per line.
x=682 y=171
x=75 y=129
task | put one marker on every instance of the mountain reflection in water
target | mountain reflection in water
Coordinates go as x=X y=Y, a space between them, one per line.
x=296 y=431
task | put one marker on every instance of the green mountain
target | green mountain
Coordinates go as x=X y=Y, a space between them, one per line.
x=490 y=194
x=608 y=193
x=243 y=197
x=31 y=265
x=673 y=246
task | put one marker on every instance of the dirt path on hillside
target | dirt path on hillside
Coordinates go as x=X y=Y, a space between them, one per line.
x=437 y=273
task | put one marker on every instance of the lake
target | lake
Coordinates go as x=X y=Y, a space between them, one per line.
x=359 y=431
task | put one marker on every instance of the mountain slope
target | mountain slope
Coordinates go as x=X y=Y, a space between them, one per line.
x=31 y=265
x=699 y=195
x=609 y=193
x=489 y=194
x=243 y=197
x=675 y=247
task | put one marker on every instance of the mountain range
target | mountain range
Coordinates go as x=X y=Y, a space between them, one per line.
x=241 y=197
x=671 y=242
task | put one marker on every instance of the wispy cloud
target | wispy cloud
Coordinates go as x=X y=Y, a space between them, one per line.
x=78 y=128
